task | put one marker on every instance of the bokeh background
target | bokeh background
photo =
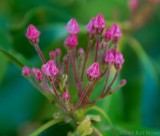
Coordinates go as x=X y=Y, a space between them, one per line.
x=135 y=108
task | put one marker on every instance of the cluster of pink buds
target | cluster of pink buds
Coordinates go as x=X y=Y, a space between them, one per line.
x=55 y=75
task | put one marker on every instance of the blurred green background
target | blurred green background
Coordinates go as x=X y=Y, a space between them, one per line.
x=135 y=107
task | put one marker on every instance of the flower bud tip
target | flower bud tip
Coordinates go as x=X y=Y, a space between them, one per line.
x=50 y=68
x=32 y=34
x=71 y=41
x=66 y=96
x=26 y=71
x=94 y=71
x=72 y=26
x=123 y=82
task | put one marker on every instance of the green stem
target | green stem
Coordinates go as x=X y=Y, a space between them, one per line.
x=46 y=126
x=106 y=118
x=96 y=131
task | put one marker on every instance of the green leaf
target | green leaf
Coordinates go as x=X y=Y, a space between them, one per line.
x=41 y=12
x=148 y=83
x=94 y=118
x=19 y=101
x=106 y=117
x=54 y=127
x=4 y=40
x=84 y=128
x=46 y=126
x=143 y=57
x=15 y=58
x=4 y=65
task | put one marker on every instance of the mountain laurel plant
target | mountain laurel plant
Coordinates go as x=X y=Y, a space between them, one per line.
x=53 y=78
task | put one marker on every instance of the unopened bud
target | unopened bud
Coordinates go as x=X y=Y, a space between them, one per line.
x=33 y=71
x=108 y=35
x=99 y=23
x=26 y=71
x=72 y=26
x=66 y=96
x=32 y=34
x=39 y=75
x=50 y=68
x=91 y=29
x=119 y=60
x=133 y=4
x=71 y=41
x=109 y=58
x=123 y=82
x=52 y=54
x=93 y=71
x=58 y=52
x=116 y=33
x=80 y=52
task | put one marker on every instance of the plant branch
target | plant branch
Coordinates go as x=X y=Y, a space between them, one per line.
x=86 y=58
x=106 y=118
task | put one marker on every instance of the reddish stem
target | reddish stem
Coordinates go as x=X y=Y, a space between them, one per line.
x=109 y=87
x=86 y=58
x=80 y=59
x=107 y=78
x=82 y=96
x=74 y=67
x=105 y=51
x=40 y=53
x=97 y=44
x=57 y=96
x=86 y=99
x=68 y=62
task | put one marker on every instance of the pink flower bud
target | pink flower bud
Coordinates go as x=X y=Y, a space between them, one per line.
x=123 y=82
x=50 y=68
x=32 y=34
x=72 y=26
x=52 y=54
x=133 y=4
x=80 y=51
x=109 y=58
x=33 y=71
x=116 y=33
x=93 y=71
x=119 y=60
x=66 y=96
x=58 y=52
x=26 y=71
x=108 y=35
x=91 y=29
x=99 y=21
x=71 y=41
x=38 y=75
